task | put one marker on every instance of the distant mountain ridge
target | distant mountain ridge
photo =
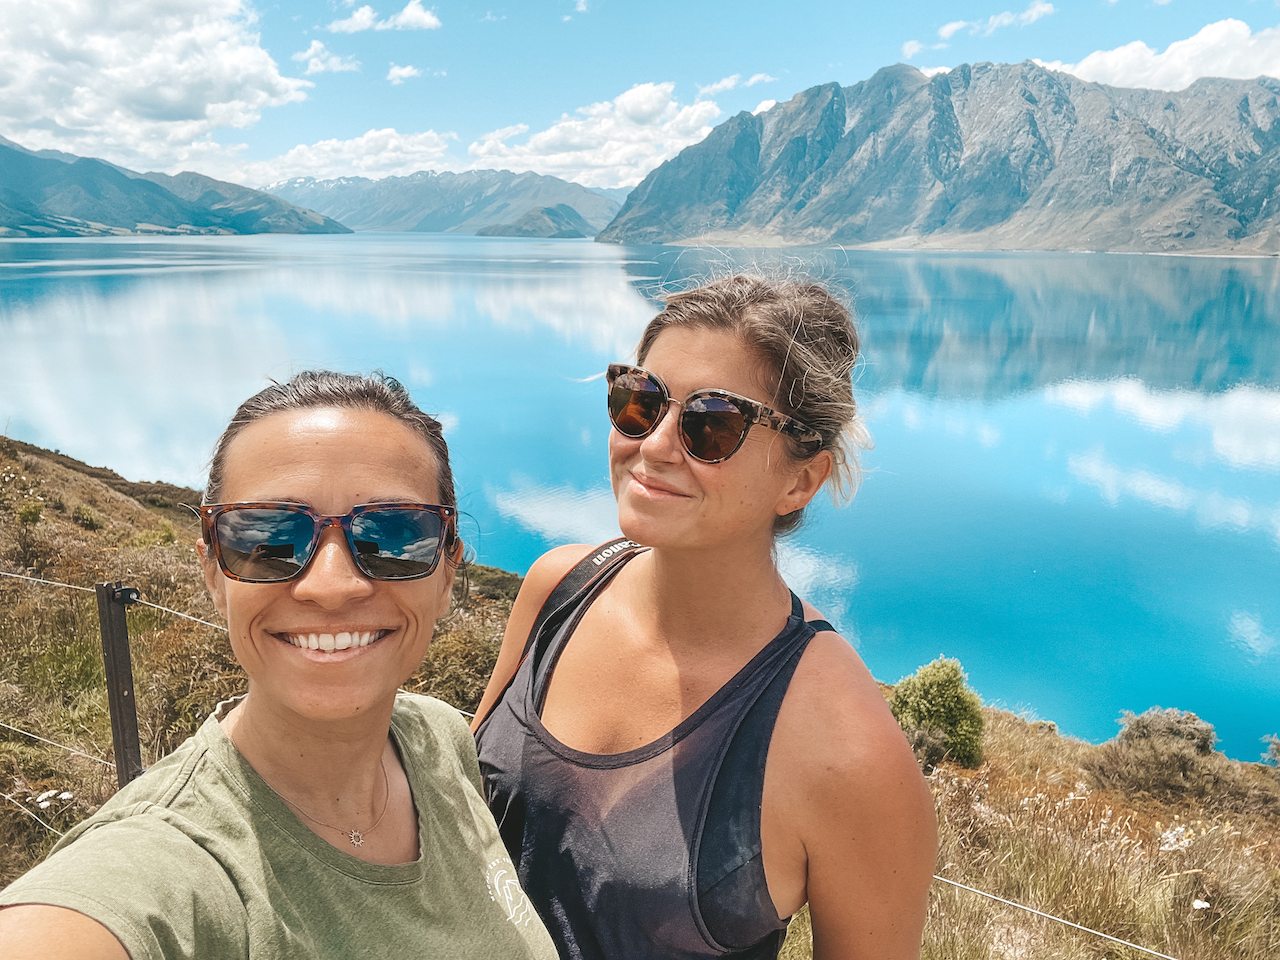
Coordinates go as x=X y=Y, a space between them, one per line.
x=431 y=202
x=48 y=193
x=988 y=156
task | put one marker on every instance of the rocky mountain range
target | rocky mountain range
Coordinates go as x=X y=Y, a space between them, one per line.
x=430 y=202
x=48 y=193
x=986 y=156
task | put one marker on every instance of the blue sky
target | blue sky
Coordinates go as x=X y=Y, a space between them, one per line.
x=600 y=91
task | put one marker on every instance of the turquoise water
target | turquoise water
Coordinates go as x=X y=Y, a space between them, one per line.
x=1075 y=487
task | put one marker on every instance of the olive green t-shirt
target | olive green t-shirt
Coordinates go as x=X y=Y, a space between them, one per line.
x=200 y=858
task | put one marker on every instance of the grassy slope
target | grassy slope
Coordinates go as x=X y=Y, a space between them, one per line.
x=1115 y=838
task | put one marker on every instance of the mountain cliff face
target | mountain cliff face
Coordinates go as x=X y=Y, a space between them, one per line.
x=988 y=156
x=52 y=194
x=429 y=202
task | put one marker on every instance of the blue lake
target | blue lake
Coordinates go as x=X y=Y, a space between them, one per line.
x=1075 y=486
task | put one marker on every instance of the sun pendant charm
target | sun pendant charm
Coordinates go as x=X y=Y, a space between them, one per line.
x=356 y=838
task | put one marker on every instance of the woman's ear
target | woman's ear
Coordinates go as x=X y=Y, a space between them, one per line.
x=214 y=581
x=805 y=483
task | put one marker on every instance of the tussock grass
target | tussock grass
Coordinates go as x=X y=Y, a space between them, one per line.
x=1126 y=837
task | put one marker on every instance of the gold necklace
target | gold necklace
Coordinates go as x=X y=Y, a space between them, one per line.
x=355 y=837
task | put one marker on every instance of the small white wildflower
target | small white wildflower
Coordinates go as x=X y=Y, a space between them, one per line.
x=65 y=795
x=1199 y=905
x=44 y=804
x=45 y=796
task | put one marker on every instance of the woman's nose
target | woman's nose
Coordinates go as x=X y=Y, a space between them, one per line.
x=332 y=578
x=663 y=442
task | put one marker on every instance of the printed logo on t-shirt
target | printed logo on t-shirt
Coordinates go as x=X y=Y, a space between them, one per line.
x=504 y=890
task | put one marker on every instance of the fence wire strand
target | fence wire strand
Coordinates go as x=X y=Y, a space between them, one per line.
x=34 y=736
x=186 y=616
x=1049 y=916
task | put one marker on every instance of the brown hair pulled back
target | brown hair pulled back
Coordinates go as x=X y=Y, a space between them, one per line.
x=313 y=389
x=807 y=345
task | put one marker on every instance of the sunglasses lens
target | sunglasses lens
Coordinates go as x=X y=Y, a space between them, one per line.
x=635 y=404
x=713 y=427
x=264 y=544
x=397 y=543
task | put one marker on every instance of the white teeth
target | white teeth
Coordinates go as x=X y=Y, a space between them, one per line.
x=330 y=642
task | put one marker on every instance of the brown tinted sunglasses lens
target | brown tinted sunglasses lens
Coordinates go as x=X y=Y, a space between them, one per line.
x=635 y=404
x=713 y=428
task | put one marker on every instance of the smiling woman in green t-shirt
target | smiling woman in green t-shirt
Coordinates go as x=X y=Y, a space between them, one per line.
x=322 y=814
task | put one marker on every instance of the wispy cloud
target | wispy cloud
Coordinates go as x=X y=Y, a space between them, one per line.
x=720 y=86
x=911 y=48
x=1035 y=10
x=398 y=75
x=764 y=106
x=412 y=17
x=760 y=78
x=1227 y=48
x=320 y=60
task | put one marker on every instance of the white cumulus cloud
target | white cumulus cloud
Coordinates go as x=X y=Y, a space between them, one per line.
x=764 y=105
x=1227 y=48
x=362 y=19
x=412 y=17
x=607 y=144
x=398 y=75
x=320 y=60
x=911 y=48
x=143 y=84
x=376 y=154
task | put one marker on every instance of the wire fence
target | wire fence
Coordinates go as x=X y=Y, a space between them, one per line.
x=179 y=613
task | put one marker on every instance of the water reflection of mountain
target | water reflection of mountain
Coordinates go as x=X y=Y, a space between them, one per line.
x=989 y=326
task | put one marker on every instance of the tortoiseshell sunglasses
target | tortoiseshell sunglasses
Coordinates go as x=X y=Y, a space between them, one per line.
x=268 y=542
x=713 y=423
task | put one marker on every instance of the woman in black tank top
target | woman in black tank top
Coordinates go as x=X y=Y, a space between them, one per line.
x=679 y=752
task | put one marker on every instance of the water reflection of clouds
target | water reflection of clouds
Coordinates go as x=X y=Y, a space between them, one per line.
x=1245 y=630
x=1211 y=509
x=561 y=514
x=1244 y=422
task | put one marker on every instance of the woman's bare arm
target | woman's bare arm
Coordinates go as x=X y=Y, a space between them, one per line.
x=41 y=932
x=541 y=579
x=858 y=811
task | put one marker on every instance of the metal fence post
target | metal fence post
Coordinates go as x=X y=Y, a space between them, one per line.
x=112 y=599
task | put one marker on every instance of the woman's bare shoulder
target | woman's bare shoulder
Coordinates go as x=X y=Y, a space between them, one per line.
x=549 y=569
x=836 y=728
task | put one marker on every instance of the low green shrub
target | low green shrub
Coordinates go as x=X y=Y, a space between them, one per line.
x=936 y=700
x=85 y=516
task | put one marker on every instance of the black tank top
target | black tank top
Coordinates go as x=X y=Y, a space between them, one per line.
x=654 y=852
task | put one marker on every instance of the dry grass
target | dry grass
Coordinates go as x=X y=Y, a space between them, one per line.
x=1124 y=838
